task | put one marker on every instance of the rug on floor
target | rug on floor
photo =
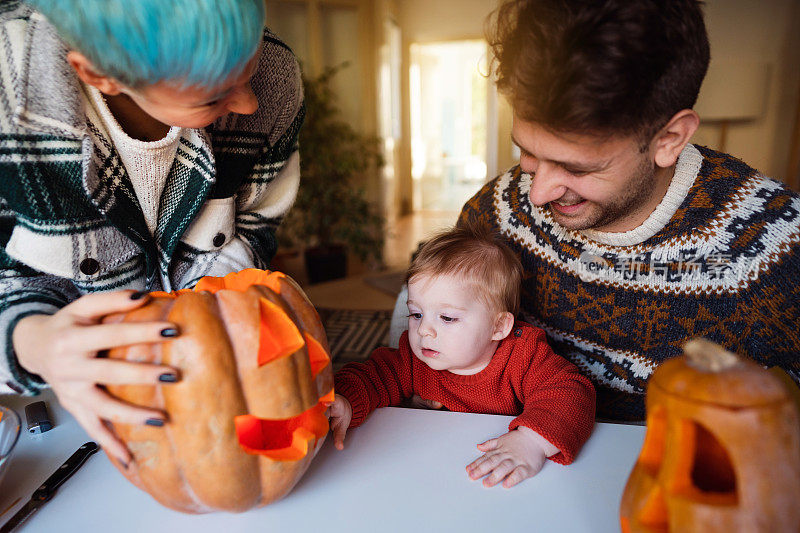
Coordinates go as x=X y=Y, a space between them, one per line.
x=354 y=334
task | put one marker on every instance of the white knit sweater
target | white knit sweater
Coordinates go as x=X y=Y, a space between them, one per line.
x=147 y=162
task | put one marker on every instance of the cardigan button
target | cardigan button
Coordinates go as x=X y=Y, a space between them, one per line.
x=219 y=240
x=89 y=266
x=518 y=333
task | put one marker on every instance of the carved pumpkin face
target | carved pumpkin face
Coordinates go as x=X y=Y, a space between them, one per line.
x=248 y=415
x=722 y=449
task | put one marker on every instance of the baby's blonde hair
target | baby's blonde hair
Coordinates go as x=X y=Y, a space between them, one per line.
x=476 y=255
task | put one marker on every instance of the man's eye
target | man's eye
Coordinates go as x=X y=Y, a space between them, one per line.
x=447 y=319
x=576 y=172
x=415 y=316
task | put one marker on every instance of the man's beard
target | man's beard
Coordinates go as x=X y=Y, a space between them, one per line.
x=638 y=190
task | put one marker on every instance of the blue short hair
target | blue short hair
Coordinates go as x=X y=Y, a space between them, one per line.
x=141 y=42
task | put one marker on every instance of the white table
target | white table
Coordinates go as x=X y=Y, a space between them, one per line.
x=403 y=471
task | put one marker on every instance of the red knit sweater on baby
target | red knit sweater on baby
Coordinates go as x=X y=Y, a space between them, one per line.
x=524 y=378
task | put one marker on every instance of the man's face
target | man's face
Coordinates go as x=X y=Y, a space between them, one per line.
x=449 y=326
x=197 y=107
x=587 y=182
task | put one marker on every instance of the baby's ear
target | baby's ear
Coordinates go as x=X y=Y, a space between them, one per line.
x=502 y=326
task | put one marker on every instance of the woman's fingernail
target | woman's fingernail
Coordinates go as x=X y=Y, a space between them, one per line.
x=138 y=295
x=169 y=332
x=154 y=422
x=123 y=463
x=168 y=377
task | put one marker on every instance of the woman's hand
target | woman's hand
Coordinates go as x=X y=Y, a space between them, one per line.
x=514 y=457
x=62 y=349
x=340 y=413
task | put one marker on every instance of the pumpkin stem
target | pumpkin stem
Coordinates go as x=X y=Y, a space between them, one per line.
x=707 y=356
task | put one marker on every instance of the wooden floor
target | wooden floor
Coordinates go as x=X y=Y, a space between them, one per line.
x=349 y=293
x=356 y=291
x=404 y=234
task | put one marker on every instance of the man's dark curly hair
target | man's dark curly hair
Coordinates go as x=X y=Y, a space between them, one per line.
x=599 y=66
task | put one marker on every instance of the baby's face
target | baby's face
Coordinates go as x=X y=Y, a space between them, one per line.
x=449 y=327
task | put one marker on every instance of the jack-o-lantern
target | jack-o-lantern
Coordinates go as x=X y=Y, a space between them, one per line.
x=248 y=415
x=721 y=452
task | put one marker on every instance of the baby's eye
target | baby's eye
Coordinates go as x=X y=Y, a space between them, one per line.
x=447 y=319
x=415 y=316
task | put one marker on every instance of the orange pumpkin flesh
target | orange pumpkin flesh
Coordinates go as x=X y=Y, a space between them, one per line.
x=721 y=452
x=248 y=414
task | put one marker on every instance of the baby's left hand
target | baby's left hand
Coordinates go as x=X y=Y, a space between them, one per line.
x=514 y=457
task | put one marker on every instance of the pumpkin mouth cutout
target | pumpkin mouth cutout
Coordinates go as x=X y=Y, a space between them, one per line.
x=282 y=440
x=289 y=439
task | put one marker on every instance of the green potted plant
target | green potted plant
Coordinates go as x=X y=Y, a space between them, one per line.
x=331 y=214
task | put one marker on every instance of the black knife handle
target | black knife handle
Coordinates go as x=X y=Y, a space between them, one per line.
x=48 y=488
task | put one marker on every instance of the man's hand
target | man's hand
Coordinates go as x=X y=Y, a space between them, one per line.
x=340 y=413
x=62 y=349
x=514 y=457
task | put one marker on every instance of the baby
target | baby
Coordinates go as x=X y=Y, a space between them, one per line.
x=464 y=349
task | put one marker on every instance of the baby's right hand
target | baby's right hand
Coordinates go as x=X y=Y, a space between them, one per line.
x=63 y=348
x=340 y=413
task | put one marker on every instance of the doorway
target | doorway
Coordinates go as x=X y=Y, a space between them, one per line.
x=450 y=115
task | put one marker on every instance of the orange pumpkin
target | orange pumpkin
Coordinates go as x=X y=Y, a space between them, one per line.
x=248 y=414
x=721 y=452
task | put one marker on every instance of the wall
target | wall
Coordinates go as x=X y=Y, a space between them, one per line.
x=424 y=21
x=766 y=30
x=442 y=20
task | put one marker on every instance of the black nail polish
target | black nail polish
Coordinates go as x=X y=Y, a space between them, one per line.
x=168 y=377
x=154 y=422
x=138 y=295
x=169 y=332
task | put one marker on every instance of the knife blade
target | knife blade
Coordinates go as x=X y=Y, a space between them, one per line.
x=46 y=490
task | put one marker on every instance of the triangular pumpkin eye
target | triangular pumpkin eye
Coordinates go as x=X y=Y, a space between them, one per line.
x=278 y=337
x=317 y=355
x=702 y=471
x=711 y=470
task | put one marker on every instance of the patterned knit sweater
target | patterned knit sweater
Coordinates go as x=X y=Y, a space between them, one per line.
x=70 y=219
x=718 y=258
x=524 y=378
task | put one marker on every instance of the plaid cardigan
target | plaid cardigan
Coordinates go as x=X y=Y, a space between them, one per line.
x=70 y=222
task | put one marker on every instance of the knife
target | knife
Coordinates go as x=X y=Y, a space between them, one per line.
x=49 y=487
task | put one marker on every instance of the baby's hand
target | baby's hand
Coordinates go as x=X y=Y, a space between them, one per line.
x=514 y=457
x=340 y=413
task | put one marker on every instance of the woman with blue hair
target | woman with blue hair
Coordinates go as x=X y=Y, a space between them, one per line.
x=144 y=145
